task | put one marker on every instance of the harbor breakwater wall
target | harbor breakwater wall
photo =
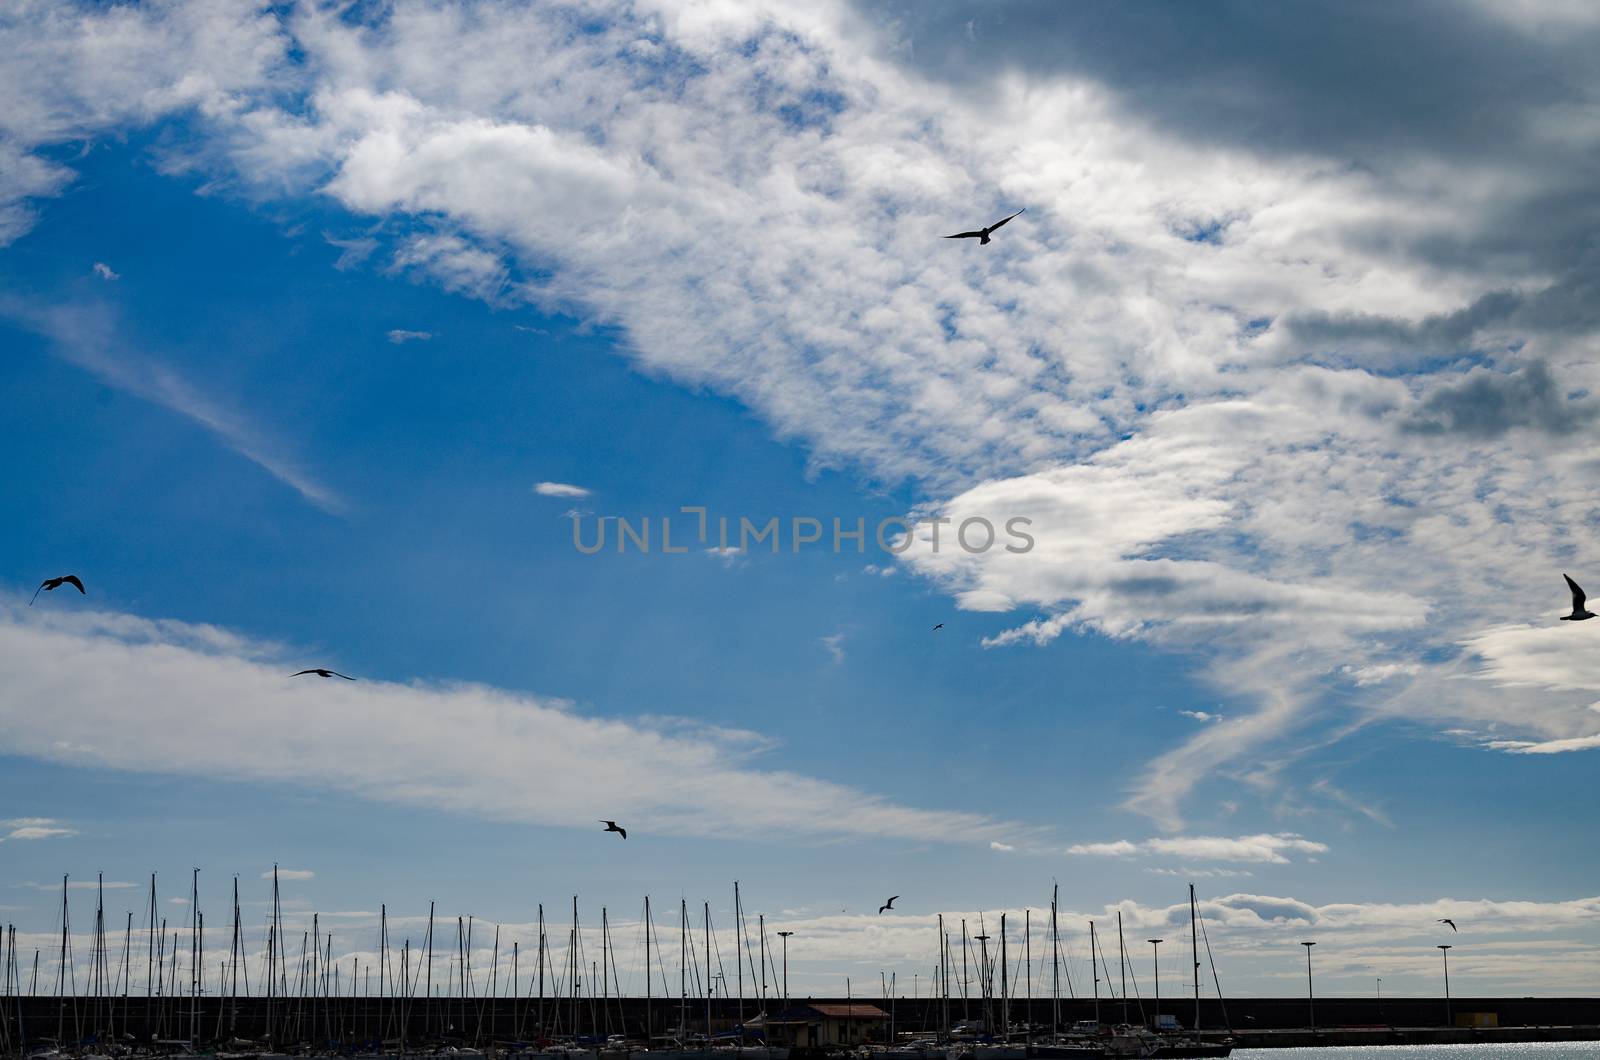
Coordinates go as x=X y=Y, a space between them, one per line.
x=1252 y=1021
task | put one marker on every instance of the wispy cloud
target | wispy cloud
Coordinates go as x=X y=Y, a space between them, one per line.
x=1200 y=715
x=87 y=335
x=559 y=489
x=34 y=828
x=167 y=697
x=833 y=643
x=289 y=874
x=102 y=270
x=400 y=336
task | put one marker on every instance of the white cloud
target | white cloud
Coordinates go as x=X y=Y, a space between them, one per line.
x=168 y=697
x=102 y=270
x=559 y=489
x=34 y=828
x=289 y=874
x=834 y=643
x=1004 y=848
x=1120 y=848
x=1231 y=447
x=1264 y=848
x=1200 y=715
x=400 y=336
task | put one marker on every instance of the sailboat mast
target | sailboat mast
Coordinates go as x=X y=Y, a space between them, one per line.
x=1122 y=960
x=1194 y=946
x=683 y=967
x=966 y=973
x=648 y=1026
x=709 y=980
x=1094 y=967
x=1005 y=976
x=541 y=970
x=1027 y=964
x=1055 y=964
x=739 y=956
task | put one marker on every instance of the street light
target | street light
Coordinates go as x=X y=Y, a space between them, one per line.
x=1380 y=997
x=1444 y=949
x=784 y=935
x=1155 y=947
x=1311 y=997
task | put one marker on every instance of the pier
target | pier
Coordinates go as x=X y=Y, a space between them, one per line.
x=365 y=1023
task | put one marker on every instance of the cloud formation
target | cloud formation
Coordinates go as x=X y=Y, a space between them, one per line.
x=33 y=828
x=170 y=697
x=1253 y=348
x=1263 y=848
x=559 y=489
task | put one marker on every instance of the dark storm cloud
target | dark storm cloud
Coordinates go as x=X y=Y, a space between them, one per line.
x=1566 y=308
x=1486 y=404
x=1349 y=79
x=1370 y=87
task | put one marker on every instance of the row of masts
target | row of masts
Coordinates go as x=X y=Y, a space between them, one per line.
x=989 y=1000
x=299 y=987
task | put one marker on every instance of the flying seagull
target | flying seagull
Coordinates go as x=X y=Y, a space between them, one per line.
x=612 y=826
x=1452 y=923
x=938 y=627
x=50 y=585
x=1579 y=612
x=320 y=672
x=887 y=905
x=982 y=234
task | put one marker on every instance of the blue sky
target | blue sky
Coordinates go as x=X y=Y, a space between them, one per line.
x=294 y=324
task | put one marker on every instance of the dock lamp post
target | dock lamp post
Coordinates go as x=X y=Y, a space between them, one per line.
x=1311 y=997
x=1380 y=997
x=1445 y=950
x=784 y=935
x=1155 y=948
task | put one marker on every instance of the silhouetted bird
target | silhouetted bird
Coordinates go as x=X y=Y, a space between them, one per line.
x=887 y=905
x=938 y=627
x=1579 y=612
x=1452 y=923
x=611 y=826
x=323 y=673
x=982 y=234
x=50 y=585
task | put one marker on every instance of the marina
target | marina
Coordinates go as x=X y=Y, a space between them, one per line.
x=706 y=996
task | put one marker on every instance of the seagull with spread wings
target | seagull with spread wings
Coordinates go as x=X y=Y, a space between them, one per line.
x=982 y=234
x=612 y=826
x=1579 y=612
x=1452 y=923
x=320 y=672
x=50 y=585
x=887 y=905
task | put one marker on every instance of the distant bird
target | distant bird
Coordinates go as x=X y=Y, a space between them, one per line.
x=1579 y=612
x=611 y=826
x=1452 y=923
x=887 y=905
x=50 y=585
x=320 y=672
x=982 y=234
x=938 y=627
